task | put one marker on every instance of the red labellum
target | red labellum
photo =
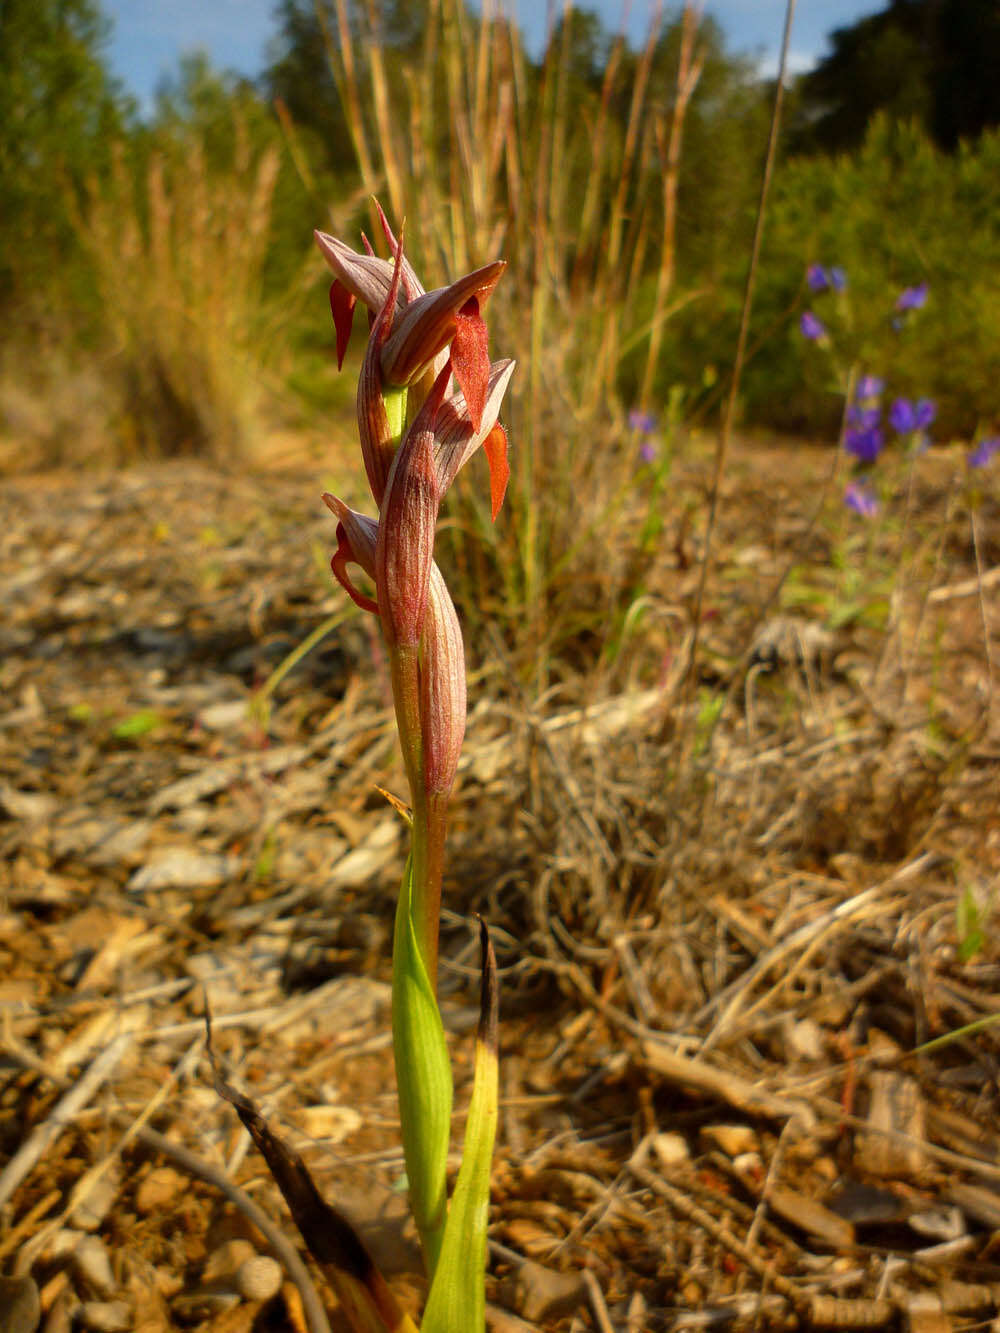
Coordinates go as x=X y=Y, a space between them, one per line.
x=342 y=304
x=495 y=449
x=343 y=556
x=470 y=358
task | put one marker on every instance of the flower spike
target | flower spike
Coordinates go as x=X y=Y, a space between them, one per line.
x=427 y=364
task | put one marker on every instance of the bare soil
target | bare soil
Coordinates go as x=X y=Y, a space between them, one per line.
x=745 y=918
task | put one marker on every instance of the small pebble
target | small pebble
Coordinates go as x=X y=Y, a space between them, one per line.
x=805 y=1040
x=60 y=1245
x=332 y=1123
x=158 y=1189
x=749 y=1164
x=259 y=1278
x=730 y=1139
x=671 y=1150
x=92 y=1265
x=941 y=1223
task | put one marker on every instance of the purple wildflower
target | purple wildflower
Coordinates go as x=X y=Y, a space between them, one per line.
x=812 y=328
x=912 y=298
x=817 y=278
x=865 y=444
x=860 y=497
x=984 y=451
x=647 y=451
x=869 y=386
x=838 y=279
x=641 y=421
x=863 y=418
x=925 y=412
x=906 y=416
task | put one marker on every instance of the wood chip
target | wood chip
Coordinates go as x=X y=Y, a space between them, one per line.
x=896 y=1116
x=978 y=1203
x=922 y=1313
x=183 y=868
x=810 y=1216
x=538 y=1293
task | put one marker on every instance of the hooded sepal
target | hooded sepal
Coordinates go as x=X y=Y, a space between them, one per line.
x=428 y=324
x=365 y=276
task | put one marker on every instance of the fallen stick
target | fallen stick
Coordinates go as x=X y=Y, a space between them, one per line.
x=730 y=1088
x=63 y=1113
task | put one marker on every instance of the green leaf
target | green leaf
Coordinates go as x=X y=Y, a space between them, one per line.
x=423 y=1076
x=137 y=724
x=457 y=1300
x=968 y=926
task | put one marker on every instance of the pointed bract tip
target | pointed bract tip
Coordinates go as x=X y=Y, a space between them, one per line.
x=387 y=231
x=489 y=991
x=382 y=326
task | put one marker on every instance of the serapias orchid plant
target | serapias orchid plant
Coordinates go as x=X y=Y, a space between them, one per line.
x=417 y=431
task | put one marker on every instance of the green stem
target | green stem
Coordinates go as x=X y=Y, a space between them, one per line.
x=429 y=809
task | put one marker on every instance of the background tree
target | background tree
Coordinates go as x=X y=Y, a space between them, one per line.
x=59 y=111
x=934 y=61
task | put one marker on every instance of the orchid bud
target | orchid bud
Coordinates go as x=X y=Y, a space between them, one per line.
x=442 y=688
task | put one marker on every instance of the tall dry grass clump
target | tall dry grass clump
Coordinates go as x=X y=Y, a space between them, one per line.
x=178 y=250
x=483 y=153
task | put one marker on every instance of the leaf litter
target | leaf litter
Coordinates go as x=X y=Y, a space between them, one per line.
x=748 y=1052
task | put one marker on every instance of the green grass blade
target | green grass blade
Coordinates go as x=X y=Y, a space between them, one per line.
x=457 y=1301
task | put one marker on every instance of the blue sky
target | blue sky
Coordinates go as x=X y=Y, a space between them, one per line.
x=148 y=36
